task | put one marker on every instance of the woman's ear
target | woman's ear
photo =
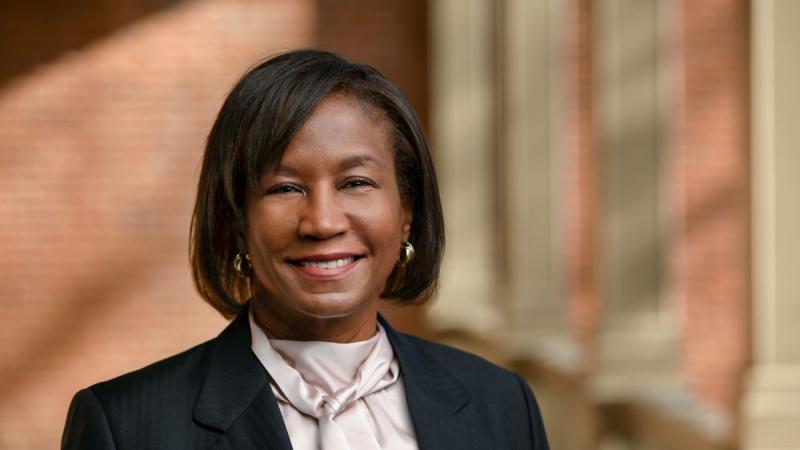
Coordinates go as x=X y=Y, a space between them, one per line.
x=407 y=218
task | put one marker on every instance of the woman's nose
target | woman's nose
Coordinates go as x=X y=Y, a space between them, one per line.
x=322 y=217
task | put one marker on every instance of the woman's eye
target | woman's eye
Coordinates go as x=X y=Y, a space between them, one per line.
x=283 y=189
x=358 y=183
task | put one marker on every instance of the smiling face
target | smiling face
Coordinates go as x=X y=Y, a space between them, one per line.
x=324 y=228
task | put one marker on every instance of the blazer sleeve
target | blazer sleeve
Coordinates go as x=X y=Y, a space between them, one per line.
x=87 y=426
x=534 y=437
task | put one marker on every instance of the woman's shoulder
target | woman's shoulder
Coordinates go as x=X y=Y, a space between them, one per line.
x=130 y=410
x=158 y=379
x=183 y=370
x=497 y=397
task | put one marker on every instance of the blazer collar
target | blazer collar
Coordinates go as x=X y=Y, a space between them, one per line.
x=236 y=398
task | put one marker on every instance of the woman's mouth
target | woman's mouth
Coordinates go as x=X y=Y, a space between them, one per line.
x=326 y=267
x=329 y=264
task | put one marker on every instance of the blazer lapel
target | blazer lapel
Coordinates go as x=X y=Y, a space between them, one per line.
x=435 y=398
x=236 y=398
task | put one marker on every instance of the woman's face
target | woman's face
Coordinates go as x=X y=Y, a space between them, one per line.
x=324 y=228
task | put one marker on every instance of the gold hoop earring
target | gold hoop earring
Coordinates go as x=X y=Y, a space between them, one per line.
x=406 y=254
x=243 y=270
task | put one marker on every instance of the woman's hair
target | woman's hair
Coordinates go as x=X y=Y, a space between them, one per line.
x=252 y=130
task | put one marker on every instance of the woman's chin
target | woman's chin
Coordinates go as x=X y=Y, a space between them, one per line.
x=332 y=306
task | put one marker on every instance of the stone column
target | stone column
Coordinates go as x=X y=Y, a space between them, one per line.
x=463 y=139
x=529 y=153
x=771 y=412
x=635 y=345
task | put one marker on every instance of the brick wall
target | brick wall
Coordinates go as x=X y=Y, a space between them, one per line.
x=709 y=186
x=35 y=32
x=581 y=175
x=99 y=154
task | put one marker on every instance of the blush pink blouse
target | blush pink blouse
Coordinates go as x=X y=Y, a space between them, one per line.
x=338 y=396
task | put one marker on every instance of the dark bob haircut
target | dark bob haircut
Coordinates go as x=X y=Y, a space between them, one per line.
x=253 y=128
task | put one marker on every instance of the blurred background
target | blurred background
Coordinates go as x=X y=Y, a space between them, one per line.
x=618 y=178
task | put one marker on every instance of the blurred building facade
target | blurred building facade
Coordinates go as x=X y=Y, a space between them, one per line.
x=617 y=177
x=616 y=173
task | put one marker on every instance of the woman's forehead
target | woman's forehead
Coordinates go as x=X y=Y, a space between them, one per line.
x=338 y=132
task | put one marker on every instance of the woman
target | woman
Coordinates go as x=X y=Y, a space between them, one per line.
x=317 y=198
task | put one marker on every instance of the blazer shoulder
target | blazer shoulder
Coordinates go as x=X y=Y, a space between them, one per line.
x=159 y=379
x=141 y=409
x=498 y=394
x=87 y=426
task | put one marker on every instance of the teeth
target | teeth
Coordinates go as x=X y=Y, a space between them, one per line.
x=328 y=264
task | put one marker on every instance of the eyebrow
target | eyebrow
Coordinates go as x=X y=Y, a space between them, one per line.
x=284 y=170
x=358 y=160
x=346 y=164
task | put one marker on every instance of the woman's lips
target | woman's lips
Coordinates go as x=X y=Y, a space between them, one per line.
x=326 y=268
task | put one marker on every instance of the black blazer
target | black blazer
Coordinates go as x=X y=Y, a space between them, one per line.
x=216 y=396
